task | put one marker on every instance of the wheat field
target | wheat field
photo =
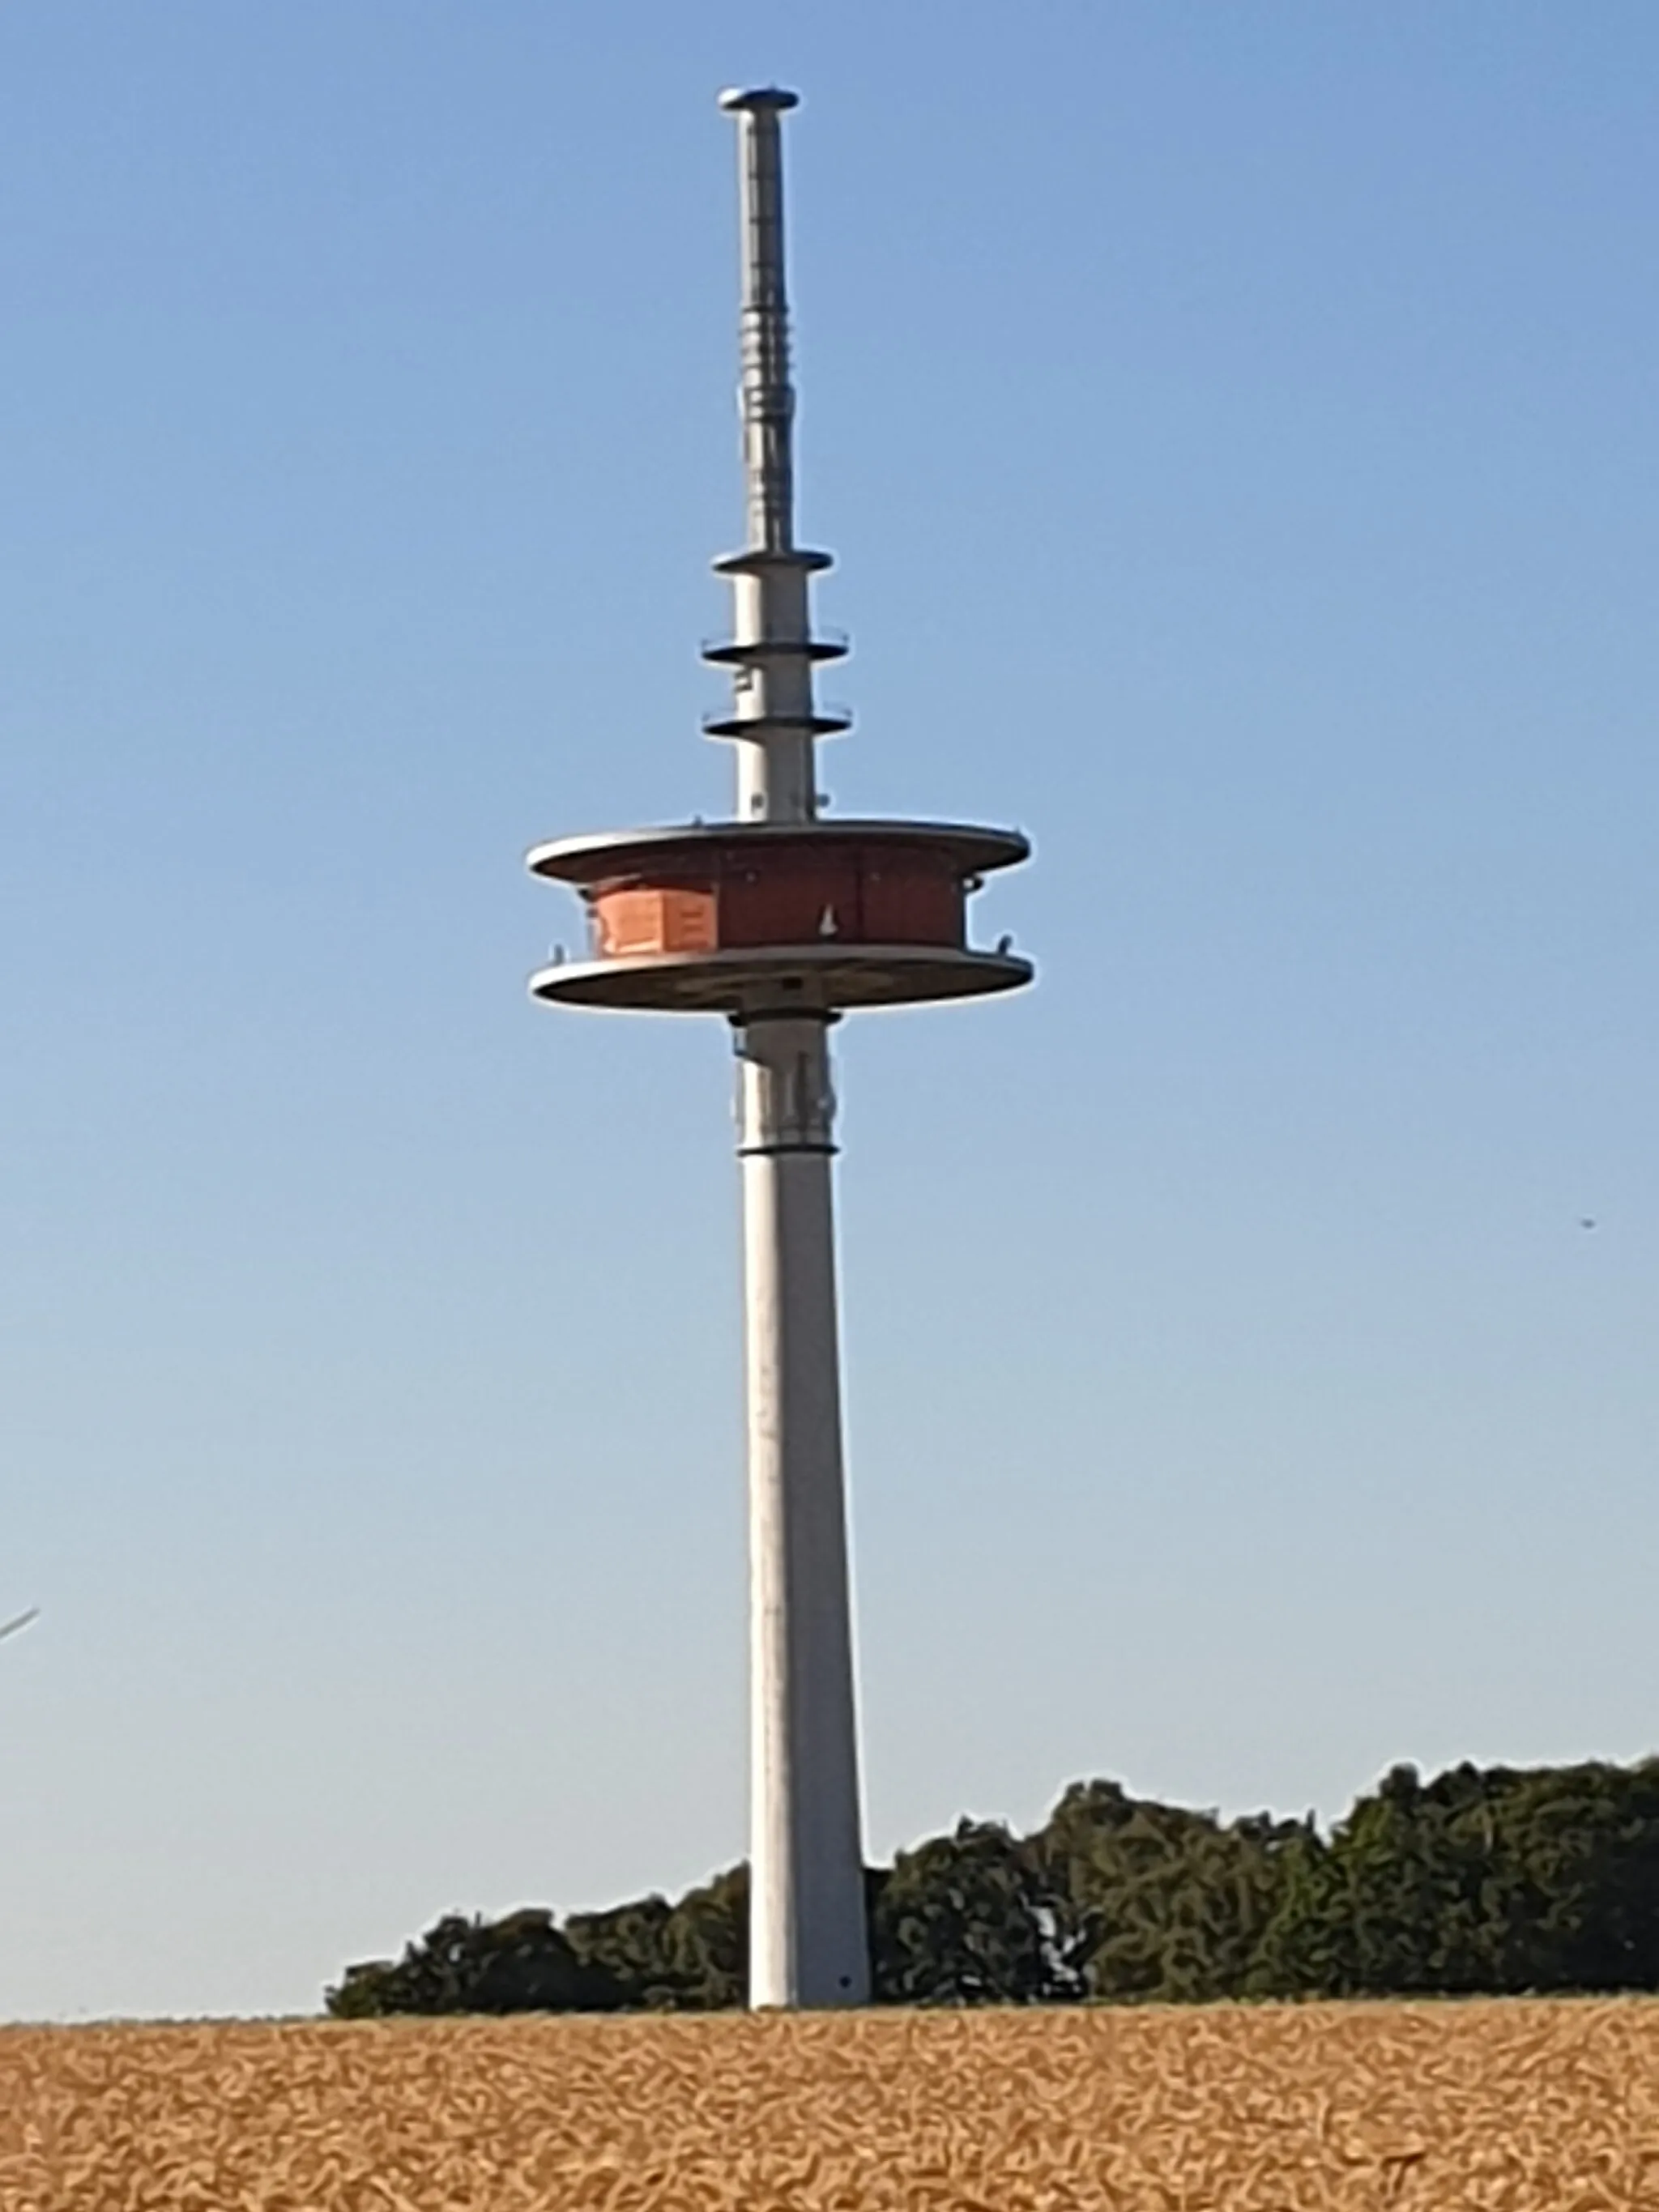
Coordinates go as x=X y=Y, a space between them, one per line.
x=1509 y=2106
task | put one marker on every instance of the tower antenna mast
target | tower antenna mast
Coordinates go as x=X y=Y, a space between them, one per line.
x=773 y=652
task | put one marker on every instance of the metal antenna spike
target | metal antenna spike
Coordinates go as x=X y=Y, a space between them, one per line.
x=768 y=398
x=22 y=1620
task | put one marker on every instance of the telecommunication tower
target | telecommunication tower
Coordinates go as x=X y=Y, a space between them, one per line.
x=783 y=919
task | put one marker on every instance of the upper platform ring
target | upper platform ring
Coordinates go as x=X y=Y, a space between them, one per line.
x=584 y=859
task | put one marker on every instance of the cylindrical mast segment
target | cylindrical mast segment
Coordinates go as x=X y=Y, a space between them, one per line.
x=767 y=399
x=772 y=650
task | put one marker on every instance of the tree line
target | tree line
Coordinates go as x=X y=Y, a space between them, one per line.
x=1481 y=1881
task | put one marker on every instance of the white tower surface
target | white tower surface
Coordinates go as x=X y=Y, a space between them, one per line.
x=780 y=920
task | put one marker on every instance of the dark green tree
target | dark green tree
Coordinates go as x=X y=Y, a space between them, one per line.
x=972 y=1918
x=706 y=1943
x=1496 y=1880
x=624 y=1949
x=519 y=1964
x=1170 y=1904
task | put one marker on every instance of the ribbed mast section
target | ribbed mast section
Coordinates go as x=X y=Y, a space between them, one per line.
x=766 y=397
x=772 y=651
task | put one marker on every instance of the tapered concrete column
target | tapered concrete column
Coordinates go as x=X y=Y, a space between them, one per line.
x=806 y=1932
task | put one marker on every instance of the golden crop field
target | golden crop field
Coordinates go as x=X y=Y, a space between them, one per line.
x=1512 y=2106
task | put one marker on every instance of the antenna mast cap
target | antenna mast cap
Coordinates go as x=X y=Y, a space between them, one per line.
x=736 y=102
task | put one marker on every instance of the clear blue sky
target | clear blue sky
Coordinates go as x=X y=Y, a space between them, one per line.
x=1236 y=428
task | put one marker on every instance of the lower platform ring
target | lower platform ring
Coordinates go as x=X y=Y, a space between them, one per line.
x=780 y=979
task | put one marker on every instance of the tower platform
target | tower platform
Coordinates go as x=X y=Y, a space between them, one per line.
x=785 y=917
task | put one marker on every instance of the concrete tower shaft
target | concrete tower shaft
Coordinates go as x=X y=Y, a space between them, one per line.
x=807 y=1939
